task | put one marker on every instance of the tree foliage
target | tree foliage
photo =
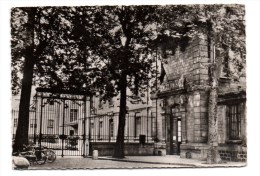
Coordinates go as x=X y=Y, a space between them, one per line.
x=224 y=27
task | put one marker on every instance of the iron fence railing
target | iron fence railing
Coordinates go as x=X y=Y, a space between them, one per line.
x=103 y=128
x=63 y=125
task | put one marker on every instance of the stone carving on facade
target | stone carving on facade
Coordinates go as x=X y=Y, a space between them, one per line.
x=181 y=82
x=162 y=104
x=177 y=100
x=183 y=99
x=173 y=85
x=170 y=101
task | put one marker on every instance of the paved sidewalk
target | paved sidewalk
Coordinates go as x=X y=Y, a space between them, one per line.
x=168 y=161
x=174 y=160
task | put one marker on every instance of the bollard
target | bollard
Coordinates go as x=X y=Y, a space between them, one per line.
x=95 y=155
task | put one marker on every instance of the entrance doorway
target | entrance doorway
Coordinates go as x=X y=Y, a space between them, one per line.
x=178 y=135
x=174 y=138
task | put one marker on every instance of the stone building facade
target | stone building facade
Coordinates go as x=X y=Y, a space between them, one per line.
x=14 y=118
x=182 y=101
x=140 y=124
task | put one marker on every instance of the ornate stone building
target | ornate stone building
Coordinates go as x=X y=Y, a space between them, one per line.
x=182 y=101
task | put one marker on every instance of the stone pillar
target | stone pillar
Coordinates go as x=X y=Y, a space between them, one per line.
x=184 y=126
x=159 y=121
x=159 y=147
x=204 y=116
x=189 y=119
x=87 y=116
x=197 y=120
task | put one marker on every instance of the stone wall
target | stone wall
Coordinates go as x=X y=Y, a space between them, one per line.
x=131 y=149
x=196 y=116
x=189 y=63
x=190 y=119
x=227 y=152
x=194 y=150
x=231 y=150
x=233 y=153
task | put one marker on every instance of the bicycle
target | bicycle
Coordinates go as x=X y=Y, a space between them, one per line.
x=50 y=155
x=33 y=154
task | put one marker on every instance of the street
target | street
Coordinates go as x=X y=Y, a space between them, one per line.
x=88 y=163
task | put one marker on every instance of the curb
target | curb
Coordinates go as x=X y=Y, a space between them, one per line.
x=198 y=165
x=145 y=162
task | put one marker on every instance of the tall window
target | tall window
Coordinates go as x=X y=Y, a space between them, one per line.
x=163 y=127
x=92 y=106
x=111 y=128
x=233 y=122
x=137 y=126
x=100 y=126
x=50 y=123
x=179 y=129
x=153 y=124
x=73 y=115
x=15 y=122
x=225 y=67
x=92 y=128
x=32 y=125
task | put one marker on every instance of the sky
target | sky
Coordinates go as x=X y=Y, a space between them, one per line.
x=253 y=97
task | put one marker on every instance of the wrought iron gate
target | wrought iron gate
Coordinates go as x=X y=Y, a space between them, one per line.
x=61 y=122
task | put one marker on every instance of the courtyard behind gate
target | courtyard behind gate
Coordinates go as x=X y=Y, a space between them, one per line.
x=64 y=123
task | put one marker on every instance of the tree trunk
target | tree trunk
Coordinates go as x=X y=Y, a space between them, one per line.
x=119 y=147
x=213 y=154
x=21 y=136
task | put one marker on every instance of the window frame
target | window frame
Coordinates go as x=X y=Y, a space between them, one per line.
x=50 y=123
x=15 y=122
x=111 y=128
x=73 y=115
x=233 y=117
x=100 y=127
x=138 y=125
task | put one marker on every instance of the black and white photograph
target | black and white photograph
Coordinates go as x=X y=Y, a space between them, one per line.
x=161 y=86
